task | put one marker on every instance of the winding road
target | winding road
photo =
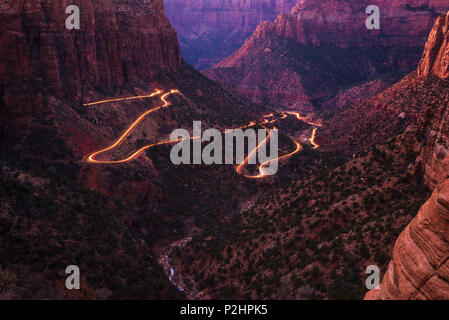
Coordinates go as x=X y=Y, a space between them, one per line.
x=92 y=158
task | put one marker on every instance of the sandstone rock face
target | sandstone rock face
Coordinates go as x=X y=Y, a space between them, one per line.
x=119 y=43
x=46 y=73
x=435 y=149
x=419 y=268
x=436 y=54
x=435 y=122
x=343 y=22
x=123 y=48
x=420 y=265
x=328 y=41
x=210 y=30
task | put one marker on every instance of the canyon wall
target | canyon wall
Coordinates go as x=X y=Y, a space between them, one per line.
x=306 y=56
x=46 y=73
x=210 y=30
x=342 y=23
x=419 y=268
x=435 y=122
x=436 y=53
x=118 y=44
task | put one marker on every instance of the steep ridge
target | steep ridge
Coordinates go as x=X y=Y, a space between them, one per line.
x=210 y=30
x=434 y=66
x=122 y=49
x=373 y=121
x=116 y=45
x=321 y=47
x=436 y=55
x=419 y=267
x=48 y=219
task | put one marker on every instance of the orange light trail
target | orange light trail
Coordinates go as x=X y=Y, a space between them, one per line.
x=92 y=157
x=263 y=165
x=240 y=166
x=124 y=99
x=312 y=139
x=119 y=141
x=314 y=123
x=301 y=118
x=296 y=114
x=251 y=124
x=298 y=145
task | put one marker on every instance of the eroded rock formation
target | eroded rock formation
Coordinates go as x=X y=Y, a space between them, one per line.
x=419 y=268
x=436 y=54
x=306 y=56
x=123 y=48
x=210 y=30
x=118 y=44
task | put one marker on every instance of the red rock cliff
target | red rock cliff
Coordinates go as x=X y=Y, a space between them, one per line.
x=436 y=54
x=419 y=268
x=343 y=22
x=420 y=265
x=224 y=15
x=329 y=40
x=435 y=123
x=119 y=43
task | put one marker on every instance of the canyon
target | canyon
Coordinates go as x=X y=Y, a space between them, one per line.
x=314 y=237
x=81 y=185
x=50 y=192
x=319 y=49
x=210 y=30
x=46 y=74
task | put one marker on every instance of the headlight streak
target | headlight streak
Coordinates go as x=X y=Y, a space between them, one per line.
x=91 y=158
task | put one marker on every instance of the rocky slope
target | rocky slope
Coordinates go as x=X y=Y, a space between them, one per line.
x=435 y=66
x=116 y=45
x=48 y=218
x=436 y=53
x=321 y=47
x=210 y=30
x=373 y=121
x=419 y=265
x=58 y=210
x=123 y=49
x=314 y=237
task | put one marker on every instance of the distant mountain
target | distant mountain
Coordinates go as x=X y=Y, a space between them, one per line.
x=210 y=30
x=307 y=56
